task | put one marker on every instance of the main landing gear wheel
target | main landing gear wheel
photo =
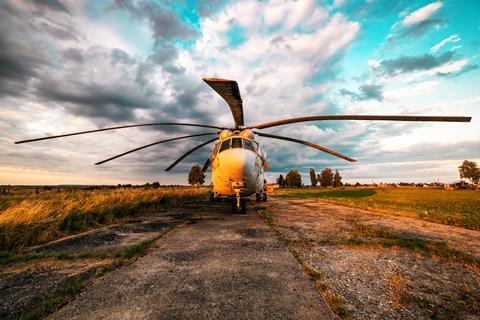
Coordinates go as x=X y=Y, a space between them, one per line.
x=242 y=209
x=264 y=197
x=258 y=197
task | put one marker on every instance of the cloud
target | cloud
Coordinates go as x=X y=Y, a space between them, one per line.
x=164 y=23
x=453 y=38
x=367 y=92
x=445 y=65
x=405 y=64
x=416 y=24
x=422 y=14
x=66 y=71
x=54 y=5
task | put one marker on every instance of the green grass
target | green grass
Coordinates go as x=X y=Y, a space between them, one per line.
x=55 y=301
x=458 y=207
x=387 y=238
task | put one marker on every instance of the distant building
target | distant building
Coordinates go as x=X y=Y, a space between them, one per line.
x=271 y=187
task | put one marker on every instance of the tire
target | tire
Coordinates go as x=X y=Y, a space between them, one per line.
x=234 y=206
x=243 y=206
x=264 y=197
x=258 y=197
x=212 y=197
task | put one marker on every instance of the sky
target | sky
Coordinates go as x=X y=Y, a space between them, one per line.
x=79 y=65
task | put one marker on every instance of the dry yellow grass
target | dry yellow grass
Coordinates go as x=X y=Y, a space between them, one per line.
x=35 y=218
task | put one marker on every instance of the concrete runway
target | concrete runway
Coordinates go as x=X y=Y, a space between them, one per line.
x=219 y=266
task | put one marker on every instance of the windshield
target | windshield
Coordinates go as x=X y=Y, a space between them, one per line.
x=247 y=144
x=236 y=143
x=225 y=145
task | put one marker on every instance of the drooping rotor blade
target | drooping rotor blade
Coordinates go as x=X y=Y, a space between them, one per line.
x=228 y=90
x=361 y=117
x=188 y=153
x=206 y=165
x=155 y=143
x=122 y=127
x=309 y=144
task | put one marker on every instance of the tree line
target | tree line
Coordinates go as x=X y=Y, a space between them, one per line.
x=326 y=178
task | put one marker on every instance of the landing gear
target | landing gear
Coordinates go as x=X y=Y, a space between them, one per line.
x=261 y=197
x=241 y=207
x=264 y=197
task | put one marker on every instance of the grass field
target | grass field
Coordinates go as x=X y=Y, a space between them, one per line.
x=458 y=207
x=28 y=219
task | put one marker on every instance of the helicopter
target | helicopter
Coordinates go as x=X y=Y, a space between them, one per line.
x=238 y=161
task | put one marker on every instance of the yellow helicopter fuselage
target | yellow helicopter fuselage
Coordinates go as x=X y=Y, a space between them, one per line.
x=237 y=165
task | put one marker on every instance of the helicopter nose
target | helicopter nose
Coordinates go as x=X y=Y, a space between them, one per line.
x=237 y=163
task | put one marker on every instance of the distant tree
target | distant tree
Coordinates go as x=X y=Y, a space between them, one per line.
x=469 y=170
x=293 y=179
x=337 y=179
x=156 y=185
x=313 y=177
x=326 y=177
x=196 y=176
x=281 y=181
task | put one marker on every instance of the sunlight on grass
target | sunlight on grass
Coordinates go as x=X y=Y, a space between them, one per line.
x=29 y=218
x=458 y=207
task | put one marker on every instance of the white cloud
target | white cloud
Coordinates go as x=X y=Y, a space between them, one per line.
x=272 y=67
x=453 y=38
x=411 y=91
x=449 y=67
x=422 y=14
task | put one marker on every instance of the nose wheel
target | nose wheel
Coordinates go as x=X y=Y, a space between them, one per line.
x=239 y=206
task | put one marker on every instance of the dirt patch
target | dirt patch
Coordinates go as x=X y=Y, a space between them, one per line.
x=59 y=269
x=373 y=266
x=24 y=287
x=116 y=237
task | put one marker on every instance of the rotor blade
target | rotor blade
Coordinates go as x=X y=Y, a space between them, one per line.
x=228 y=90
x=121 y=127
x=152 y=144
x=188 y=153
x=309 y=144
x=361 y=117
x=206 y=165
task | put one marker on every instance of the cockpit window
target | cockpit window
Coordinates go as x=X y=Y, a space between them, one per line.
x=225 y=145
x=236 y=143
x=247 y=144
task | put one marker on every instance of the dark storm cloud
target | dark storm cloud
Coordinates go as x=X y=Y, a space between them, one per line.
x=424 y=152
x=92 y=100
x=367 y=92
x=164 y=23
x=61 y=74
x=19 y=62
x=405 y=64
